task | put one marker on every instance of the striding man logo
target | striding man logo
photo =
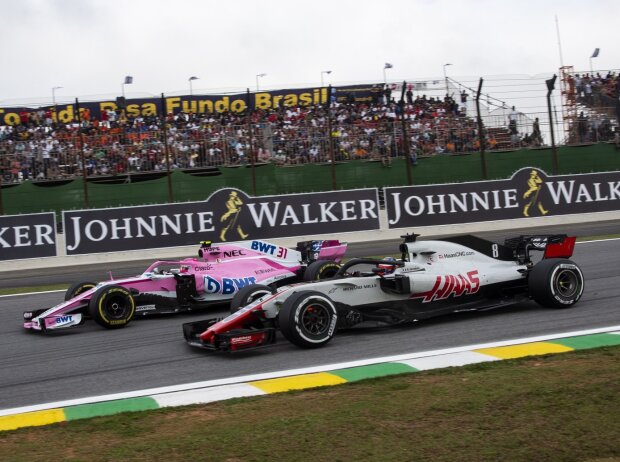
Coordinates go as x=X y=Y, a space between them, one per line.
x=230 y=218
x=534 y=185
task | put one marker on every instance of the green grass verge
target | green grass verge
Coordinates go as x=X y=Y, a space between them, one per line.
x=563 y=407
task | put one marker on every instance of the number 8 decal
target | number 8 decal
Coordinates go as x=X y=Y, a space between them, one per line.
x=495 y=249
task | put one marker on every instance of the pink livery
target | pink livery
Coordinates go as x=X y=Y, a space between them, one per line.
x=192 y=283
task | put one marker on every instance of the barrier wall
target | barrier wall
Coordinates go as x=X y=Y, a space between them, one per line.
x=126 y=233
x=271 y=179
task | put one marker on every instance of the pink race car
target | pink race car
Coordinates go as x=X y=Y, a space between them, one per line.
x=191 y=283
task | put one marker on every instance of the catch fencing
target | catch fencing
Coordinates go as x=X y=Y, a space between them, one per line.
x=374 y=123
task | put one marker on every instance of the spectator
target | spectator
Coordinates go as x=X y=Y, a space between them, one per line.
x=536 y=134
x=582 y=127
x=512 y=121
x=387 y=94
x=464 y=96
x=409 y=95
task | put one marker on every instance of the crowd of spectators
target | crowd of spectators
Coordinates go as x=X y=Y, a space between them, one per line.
x=597 y=96
x=594 y=89
x=39 y=148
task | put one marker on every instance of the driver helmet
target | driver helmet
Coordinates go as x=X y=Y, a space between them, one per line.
x=387 y=268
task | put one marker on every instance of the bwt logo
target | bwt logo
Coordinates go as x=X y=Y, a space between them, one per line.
x=227 y=286
x=64 y=319
x=264 y=247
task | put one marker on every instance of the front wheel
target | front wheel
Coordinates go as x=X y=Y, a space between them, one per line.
x=308 y=319
x=77 y=289
x=321 y=269
x=247 y=295
x=112 y=307
x=556 y=283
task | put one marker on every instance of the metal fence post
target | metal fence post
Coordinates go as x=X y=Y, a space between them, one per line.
x=252 y=152
x=329 y=134
x=406 y=147
x=1 y=174
x=554 y=153
x=481 y=137
x=167 y=152
x=84 y=169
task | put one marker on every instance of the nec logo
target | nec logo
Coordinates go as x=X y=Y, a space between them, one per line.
x=234 y=253
x=455 y=285
x=64 y=319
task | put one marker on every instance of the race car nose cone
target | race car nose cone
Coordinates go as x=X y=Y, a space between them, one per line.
x=207 y=336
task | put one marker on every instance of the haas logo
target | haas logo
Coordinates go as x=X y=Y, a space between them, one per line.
x=448 y=285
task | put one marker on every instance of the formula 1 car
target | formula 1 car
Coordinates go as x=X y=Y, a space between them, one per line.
x=175 y=286
x=431 y=278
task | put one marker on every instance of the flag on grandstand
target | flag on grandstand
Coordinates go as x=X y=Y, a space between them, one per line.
x=128 y=79
x=595 y=53
x=388 y=66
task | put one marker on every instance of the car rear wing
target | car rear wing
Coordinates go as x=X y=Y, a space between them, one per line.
x=322 y=250
x=554 y=245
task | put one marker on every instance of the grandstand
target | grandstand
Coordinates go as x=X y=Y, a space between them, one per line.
x=590 y=105
x=362 y=122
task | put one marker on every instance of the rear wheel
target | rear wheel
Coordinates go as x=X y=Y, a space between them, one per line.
x=556 y=283
x=247 y=295
x=308 y=319
x=77 y=289
x=321 y=269
x=112 y=307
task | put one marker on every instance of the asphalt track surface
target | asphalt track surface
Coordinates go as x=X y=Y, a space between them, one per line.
x=99 y=272
x=90 y=361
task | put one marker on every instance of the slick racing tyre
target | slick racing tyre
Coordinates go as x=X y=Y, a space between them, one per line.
x=308 y=319
x=321 y=269
x=77 y=289
x=112 y=307
x=556 y=283
x=247 y=295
